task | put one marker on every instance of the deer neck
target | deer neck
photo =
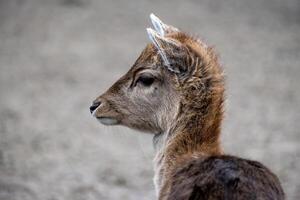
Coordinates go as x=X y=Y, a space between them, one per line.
x=189 y=139
x=191 y=136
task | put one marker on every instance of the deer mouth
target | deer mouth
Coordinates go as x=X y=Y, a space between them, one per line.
x=108 y=121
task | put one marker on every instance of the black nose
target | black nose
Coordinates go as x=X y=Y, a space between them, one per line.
x=94 y=106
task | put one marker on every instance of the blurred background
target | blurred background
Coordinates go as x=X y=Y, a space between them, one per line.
x=56 y=56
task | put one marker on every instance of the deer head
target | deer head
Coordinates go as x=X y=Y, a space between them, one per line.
x=175 y=77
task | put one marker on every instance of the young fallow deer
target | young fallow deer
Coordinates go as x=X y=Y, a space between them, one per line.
x=175 y=90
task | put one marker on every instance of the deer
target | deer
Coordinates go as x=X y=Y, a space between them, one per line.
x=175 y=91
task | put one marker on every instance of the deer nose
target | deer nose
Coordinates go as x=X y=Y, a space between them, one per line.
x=94 y=106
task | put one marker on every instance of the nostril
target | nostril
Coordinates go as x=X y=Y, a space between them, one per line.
x=94 y=106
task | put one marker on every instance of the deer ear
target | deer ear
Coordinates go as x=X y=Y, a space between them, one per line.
x=164 y=44
x=160 y=27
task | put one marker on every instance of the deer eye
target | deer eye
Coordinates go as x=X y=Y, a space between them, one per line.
x=145 y=80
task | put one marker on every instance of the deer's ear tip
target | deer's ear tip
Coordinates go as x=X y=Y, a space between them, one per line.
x=157 y=24
x=152 y=15
x=151 y=32
x=154 y=18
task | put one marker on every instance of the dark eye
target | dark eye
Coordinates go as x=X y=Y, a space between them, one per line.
x=145 y=80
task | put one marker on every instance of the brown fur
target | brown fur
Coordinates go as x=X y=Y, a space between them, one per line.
x=185 y=112
x=223 y=177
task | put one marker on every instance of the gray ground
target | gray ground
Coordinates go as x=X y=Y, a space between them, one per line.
x=56 y=56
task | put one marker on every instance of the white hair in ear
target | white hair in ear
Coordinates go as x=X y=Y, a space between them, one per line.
x=154 y=36
x=159 y=26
